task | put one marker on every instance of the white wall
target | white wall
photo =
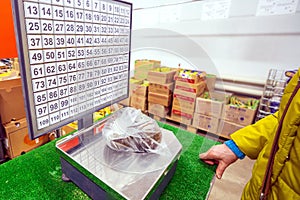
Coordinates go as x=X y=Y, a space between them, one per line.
x=243 y=45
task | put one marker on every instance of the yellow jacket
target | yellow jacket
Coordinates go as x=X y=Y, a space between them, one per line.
x=256 y=142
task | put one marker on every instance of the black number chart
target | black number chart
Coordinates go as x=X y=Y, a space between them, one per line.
x=74 y=57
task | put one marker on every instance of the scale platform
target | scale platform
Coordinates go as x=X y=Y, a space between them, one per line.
x=103 y=173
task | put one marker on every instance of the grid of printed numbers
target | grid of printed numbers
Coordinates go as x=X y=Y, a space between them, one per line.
x=78 y=55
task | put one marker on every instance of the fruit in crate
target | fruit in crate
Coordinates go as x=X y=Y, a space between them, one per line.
x=249 y=103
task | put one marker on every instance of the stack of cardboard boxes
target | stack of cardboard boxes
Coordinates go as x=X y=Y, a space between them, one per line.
x=161 y=85
x=138 y=86
x=13 y=119
x=138 y=97
x=209 y=109
x=187 y=88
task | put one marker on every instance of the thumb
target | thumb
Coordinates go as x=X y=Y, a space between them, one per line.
x=220 y=169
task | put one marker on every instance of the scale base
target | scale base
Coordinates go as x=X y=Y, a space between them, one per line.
x=96 y=192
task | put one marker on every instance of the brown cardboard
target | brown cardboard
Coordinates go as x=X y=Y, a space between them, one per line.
x=194 y=79
x=212 y=107
x=141 y=90
x=11 y=100
x=138 y=102
x=142 y=67
x=165 y=89
x=161 y=99
x=158 y=110
x=184 y=101
x=242 y=116
x=125 y=102
x=209 y=107
x=18 y=141
x=180 y=119
x=186 y=106
x=197 y=88
x=178 y=111
x=187 y=96
x=210 y=81
x=10 y=83
x=133 y=84
x=67 y=130
x=226 y=128
x=206 y=123
x=161 y=77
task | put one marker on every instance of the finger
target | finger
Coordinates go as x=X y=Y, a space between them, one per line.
x=210 y=162
x=204 y=155
x=220 y=169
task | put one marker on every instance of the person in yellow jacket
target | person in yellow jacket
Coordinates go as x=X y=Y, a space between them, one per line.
x=256 y=141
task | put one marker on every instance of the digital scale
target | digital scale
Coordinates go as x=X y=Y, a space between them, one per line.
x=124 y=175
x=74 y=58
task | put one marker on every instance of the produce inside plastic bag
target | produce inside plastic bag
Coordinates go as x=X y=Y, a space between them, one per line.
x=130 y=130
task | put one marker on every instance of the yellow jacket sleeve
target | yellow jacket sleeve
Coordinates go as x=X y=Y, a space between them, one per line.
x=251 y=139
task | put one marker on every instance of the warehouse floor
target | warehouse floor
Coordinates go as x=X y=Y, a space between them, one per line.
x=233 y=181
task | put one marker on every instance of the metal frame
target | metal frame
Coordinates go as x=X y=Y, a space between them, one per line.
x=23 y=52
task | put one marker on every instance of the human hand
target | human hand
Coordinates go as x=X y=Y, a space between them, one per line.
x=220 y=155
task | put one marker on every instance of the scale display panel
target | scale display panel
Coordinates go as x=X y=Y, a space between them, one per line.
x=74 y=57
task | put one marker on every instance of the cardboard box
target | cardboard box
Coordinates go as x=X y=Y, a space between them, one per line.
x=165 y=89
x=142 y=67
x=11 y=100
x=161 y=99
x=186 y=106
x=210 y=81
x=145 y=63
x=138 y=102
x=68 y=129
x=133 y=84
x=238 y=114
x=161 y=77
x=197 y=88
x=226 y=128
x=158 y=110
x=177 y=116
x=179 y=112
x=214 y=106
x=141 y=90
x=185 y=101
x=242 y=116
x=209 y=107
x=185 y=76
x=18 y=141
x=206 y=123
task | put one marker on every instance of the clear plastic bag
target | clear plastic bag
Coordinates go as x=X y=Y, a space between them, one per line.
x=129 y=130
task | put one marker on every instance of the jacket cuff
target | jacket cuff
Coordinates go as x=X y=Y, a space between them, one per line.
x=235 y=149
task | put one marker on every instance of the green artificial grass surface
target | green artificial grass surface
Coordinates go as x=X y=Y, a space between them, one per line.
x=37 y=174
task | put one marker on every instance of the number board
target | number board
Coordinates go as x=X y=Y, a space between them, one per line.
x=74 y=57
